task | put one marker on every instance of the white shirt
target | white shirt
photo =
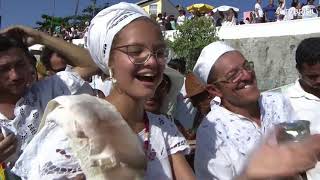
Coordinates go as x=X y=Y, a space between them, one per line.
x=309 y=11
x=291 y=13
x=225 y=139
x=165 y=140
x=104 y=86
x=47 y=163
x=258 y=8
x=181 y=19
x=307 y=107
x=29 y=109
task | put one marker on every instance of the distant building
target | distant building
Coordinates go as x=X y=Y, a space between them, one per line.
x=154 y=7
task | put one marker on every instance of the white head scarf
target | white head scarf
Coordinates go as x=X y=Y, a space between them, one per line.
x=105 y=25
x=208 y=57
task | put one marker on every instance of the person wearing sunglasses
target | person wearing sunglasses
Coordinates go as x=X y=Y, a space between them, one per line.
x=240 y=118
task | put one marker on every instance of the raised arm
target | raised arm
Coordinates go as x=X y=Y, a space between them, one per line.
x=75 y=56
x=282 y=160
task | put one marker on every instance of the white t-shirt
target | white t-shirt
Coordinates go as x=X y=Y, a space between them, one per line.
x=49 y=155
x=258 y=8
x=29 y=109
x=307 y=107
x=225 y=140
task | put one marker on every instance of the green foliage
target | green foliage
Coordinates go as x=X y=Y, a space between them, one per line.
x=50 y=22
x=192 y=37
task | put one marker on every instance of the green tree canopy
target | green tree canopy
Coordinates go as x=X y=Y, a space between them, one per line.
x=50 y=22
x=191 y=38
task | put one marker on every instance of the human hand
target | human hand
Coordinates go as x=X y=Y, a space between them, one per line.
x=284 y=159
x=28 y=35
x=8 y=146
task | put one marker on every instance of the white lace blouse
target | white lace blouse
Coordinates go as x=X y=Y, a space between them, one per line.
x=49 y=155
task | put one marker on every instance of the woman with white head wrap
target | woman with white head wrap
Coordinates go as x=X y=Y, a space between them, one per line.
x=124 y=42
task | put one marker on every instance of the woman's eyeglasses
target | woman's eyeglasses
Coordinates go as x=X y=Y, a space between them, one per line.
x=139 y=55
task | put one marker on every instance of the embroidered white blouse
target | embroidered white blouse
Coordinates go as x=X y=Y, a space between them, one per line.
x=29 y=109
x=49 y=155
x=225 y=139
x=307 y=107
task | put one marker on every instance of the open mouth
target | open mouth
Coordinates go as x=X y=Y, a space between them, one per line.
x=146 y=77
x=246 y=85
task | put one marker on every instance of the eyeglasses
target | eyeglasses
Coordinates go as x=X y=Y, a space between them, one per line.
x=139 y=55
x=235 y=75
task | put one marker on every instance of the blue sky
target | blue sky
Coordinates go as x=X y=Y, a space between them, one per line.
x=27 y=12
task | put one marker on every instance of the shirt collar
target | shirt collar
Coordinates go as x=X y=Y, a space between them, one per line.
x=296 y=91
x=215 y=103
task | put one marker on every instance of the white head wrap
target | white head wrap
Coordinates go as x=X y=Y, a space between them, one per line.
x=208 y=57
x=105 y=25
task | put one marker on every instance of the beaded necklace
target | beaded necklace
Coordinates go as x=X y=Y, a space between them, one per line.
x=146 y=137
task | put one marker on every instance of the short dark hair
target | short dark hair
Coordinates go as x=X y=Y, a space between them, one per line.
x=8 y=42
x=308 y=52
x=294 y=3
x=45 y=57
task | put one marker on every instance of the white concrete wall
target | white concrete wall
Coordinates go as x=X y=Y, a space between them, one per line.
x=282 y=28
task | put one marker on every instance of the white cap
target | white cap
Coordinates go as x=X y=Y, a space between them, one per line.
x=208 y=57
x=105 y=25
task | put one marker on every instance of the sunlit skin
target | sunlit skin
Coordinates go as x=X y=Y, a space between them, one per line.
x=154 y=103
x=15 y=71
x=57 y=63
x=240 y=96
x=202 y=102
x=310 y=78
x=143 y=33
x=15 y=74
x=130 y=92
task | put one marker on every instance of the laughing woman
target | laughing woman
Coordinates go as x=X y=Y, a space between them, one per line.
x=125 y=43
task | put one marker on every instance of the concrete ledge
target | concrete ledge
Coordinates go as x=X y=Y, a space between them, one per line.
x=282 y=28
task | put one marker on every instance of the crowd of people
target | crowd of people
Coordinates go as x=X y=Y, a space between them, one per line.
x=272 y=12
x=63 y=125
x=67 y=33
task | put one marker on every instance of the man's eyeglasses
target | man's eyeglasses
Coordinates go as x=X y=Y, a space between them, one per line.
x=235 y=75
x=139 y=55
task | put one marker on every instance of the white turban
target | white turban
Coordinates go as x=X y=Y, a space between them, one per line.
x=105 y=25
x=208 y=57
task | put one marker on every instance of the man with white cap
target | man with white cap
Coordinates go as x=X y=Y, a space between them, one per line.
x=125 y=42
x=240 y=115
